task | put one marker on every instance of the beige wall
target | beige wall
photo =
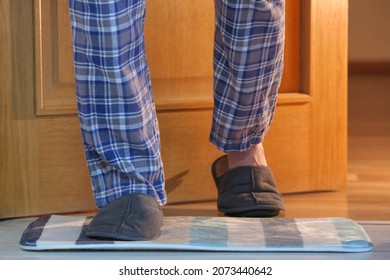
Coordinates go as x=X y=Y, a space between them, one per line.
x=369 y=30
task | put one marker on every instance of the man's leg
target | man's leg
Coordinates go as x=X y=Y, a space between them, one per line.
x=116 y=110
x=248 y=63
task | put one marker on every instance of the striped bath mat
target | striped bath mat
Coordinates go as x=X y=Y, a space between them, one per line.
x=208 y=234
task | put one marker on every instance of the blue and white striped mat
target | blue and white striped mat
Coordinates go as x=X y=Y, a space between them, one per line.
x=208 y=234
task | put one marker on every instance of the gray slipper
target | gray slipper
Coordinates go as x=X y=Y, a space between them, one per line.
x=133 y=217
x=247 y=191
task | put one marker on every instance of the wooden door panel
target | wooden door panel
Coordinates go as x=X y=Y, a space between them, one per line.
x=179 y=42
x=306 y=145
x=63 y=175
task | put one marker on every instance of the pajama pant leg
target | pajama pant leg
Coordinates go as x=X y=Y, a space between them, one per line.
x=116 y=109
x=114 y=95
x=248 y=62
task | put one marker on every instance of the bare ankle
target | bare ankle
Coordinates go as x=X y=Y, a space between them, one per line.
x=255 y=156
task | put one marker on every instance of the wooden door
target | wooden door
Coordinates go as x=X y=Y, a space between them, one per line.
x=42 y=163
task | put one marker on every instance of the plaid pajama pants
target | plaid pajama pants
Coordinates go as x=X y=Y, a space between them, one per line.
x=115 y=101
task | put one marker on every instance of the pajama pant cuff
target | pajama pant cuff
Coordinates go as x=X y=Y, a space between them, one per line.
x=233 y=146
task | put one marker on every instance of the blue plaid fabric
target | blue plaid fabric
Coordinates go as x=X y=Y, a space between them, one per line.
x=116 y=108
x=114 y=94
x=248 y=62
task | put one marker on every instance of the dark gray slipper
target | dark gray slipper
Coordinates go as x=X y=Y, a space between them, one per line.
x=134 y=217
x=247 y=191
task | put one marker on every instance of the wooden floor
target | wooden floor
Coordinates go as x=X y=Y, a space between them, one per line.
x=365 y=199
x=369 y=147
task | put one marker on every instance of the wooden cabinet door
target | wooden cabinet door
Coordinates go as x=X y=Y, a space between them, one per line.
x=42 y=162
